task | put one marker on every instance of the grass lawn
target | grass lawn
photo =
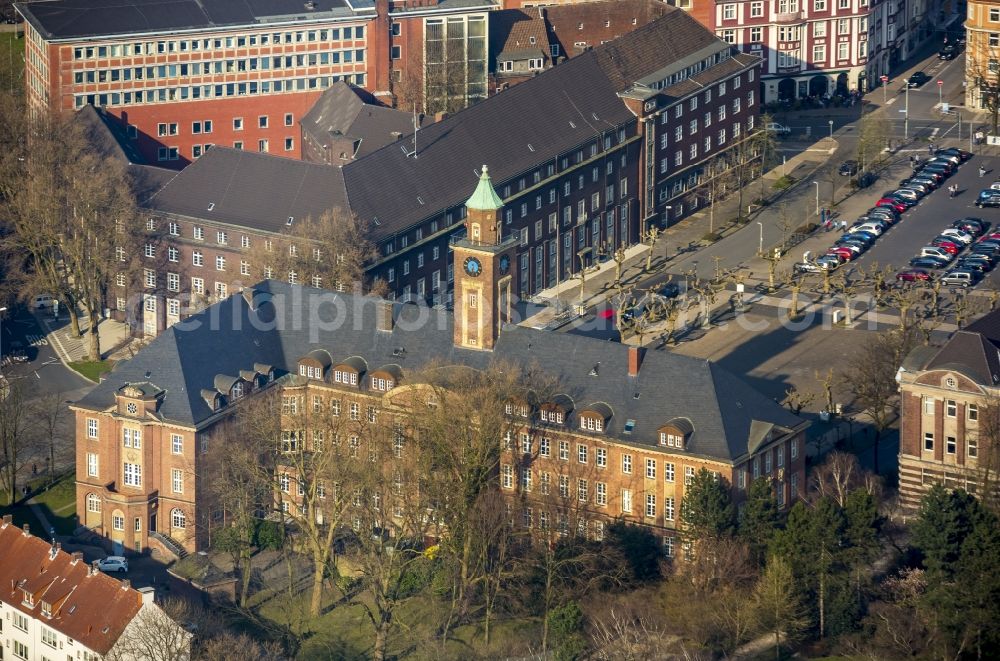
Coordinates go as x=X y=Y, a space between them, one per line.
x=59 y=504
x=92 y=369
x=11 y=63
x=345 y=632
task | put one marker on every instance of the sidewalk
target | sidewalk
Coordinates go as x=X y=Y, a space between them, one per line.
x=113 y=335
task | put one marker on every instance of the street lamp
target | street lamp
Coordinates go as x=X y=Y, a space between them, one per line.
x=830 y=122
x=816 y=184
x=760 y=246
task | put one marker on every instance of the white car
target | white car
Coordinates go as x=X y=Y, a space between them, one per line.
x=958 y=235
x=43 y=301
x=873 y=228
x=934 y=251
x=113 y=563
x=780 y=129
x=995 y=185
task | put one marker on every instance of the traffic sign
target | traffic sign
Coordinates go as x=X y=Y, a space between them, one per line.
x=884 y=79
x=940 y=83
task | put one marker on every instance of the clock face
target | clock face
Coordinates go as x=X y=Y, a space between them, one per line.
x=473 y=266
x=132 y=408
x=504 y=264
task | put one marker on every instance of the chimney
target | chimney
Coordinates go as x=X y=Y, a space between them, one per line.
x=440 y=116
x=77 y=557
x=7 y=518
x=54 y=550
x=27 y=530
x=92 y=570
x=383 y=315
x=126 y=584
x=635 y=355
x=148 y=595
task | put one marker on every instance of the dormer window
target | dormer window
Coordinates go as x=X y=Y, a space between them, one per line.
x=46 y=609
x=311 y=372
x=345 y=377
x=28 y=600
x=381 y=384
x=553 y=416
x=237 y=390
x=591 y=424
x=671 y=440
x=520 y=410
x=675 y=433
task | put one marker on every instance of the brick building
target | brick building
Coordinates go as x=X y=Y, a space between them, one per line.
x=54 y=605
x=184 y=76
x=982 y=55
x=587 y=155
x=628 y=429
x=948 y=412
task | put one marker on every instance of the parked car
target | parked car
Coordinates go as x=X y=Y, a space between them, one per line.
x=931 y=182
x=988 y=198
x=991 y=249
x=988 y=261
x=866 y=179
x=921 y=187
x=955 y=151
x=844 y=253
x=995 y=185
x=892 y=203
x=911 y=194
x=949 y=162
x=954 y=159
x=848 y=169
x=670 y=290
x=943 y=242
x=861 y=237
x=928 y=262
x=43 y=302
x=989 y=236
x=806 y=267
x=889 y=213
x=854 y=248
x=974 y=226
x=913 y=275
x=948 y=52
x=963 y=237
x=938 y=169
x=780 y=129
x=936 y=175
x=936 y=251
x=871 y=227
x=905 y=201
x=828 y=262
x=972 y=265
x=960 y=277
x=113 y=563
x=917 y=79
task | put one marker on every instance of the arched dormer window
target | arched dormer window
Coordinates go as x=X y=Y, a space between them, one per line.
x=556 y=411
x=314 y=365
x=385 y=378
x=265 y=372
x=675 y=434
x=518 y=409
x=595 y=417
x=237 y=390
x=350 y=371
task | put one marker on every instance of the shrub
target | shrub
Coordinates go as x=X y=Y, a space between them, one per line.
x=807 y=228
x=783 y=182
x=711 y=237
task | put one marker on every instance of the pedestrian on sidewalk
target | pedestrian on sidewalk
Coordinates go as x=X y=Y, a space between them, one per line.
x=982 y=172
x=930 y=148
x=34 y=469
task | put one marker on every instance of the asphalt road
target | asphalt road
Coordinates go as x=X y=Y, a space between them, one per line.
x=45 y=373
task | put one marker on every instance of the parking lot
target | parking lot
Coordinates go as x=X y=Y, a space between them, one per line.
x=936 y=211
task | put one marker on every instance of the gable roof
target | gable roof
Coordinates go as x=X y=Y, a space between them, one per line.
x=251 y=190
x=602 y=21
x=87 y=606
x=516 y=30
x=970 y=353
x=230 y=336
x=346 y=114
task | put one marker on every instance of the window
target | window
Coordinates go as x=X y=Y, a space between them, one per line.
x=729 y=12
x=262 y=122
x=564 y=486
x=601 y=493
x=93 y=502
x=526 y=479
x=173 y=282
x=627 y=501
x=178 y=519
x=756 y=34
x=972 y=447
x=132 y=475
x=819 y=5
x=951 y=408
x=176 y=444
x=819 y=53
x=177 y=480
x=582 y=490
x=132 y=438
x=198 y=285
x=581 y=453
x=780 y=457
x=729 y=36
x=951 y=444
x=220 y=263
x=149 y=278
x=994 y=15
x=928 y=441
x=545 y=447
x=563 y=450
x=972 y=412
x=669 y=509
x=668 y=471
x=91 y=464
x=843 y=50
x=650 y=505
x=627 y=464
x=928 y=405
x=756 y=9
x=601 y=457
x=688 y=475
x=651 y=469
x=197 y=258
x=795 y=449
x=91 y=427
x=507 y=476
x=355 y=411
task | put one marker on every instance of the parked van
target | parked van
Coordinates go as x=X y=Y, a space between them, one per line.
x=43 y=302
x=961 y=278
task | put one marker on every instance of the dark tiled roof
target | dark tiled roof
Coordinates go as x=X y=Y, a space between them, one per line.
x=971 y=353
x=390 y=185
x=107 y=135
x=92 y=608
x=565 y=20
x=229 y=337
x=347 y=115
x=251 y=189
x=516 y=30
x=66 y=19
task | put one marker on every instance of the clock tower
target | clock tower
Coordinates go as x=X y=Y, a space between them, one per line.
x=482 y=270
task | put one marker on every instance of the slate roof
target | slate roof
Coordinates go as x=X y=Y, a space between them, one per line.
x=250 y=189
x=564 y=20
x=514 y=31
x=973 y=351
x=344 y=114
x=229 y=337
x=69 y=19
x=92 y=608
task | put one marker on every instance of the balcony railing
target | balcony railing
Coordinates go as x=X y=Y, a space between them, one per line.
x=788 y=17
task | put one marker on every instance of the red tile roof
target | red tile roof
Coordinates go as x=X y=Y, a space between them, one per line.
x=86 y=605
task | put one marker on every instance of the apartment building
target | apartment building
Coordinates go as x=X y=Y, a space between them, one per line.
x=948 y=413
x=56 y=606
x=982 y=55
x=586 y=156
x=186 y=76
x=628 y=430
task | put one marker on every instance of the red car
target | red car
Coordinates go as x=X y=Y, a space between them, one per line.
x=913 y=275
x=844 y=254
x=992 y=236
x=948 y=246
x=891 y=203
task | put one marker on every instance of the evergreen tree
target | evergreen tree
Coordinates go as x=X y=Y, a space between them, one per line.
x=760 y=518
x=946 y=519
x=778 y=607
x=707 y=508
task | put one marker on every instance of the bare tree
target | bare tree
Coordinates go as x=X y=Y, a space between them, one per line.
x=778 y=607
x=873 y=137
x=155 y=634
x=330 y=251
x=239 y=647
x=840 y=475
x=16 y=440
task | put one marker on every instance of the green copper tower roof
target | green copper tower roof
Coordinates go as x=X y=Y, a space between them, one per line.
x=484 y=198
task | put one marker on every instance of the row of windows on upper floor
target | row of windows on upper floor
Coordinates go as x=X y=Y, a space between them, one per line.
x=693 y=70
x=198 y=92
x=218 y=67
x=705 y=97
x=721 y=136
x=166 y=47
x=707 y=118
x=730 y=13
